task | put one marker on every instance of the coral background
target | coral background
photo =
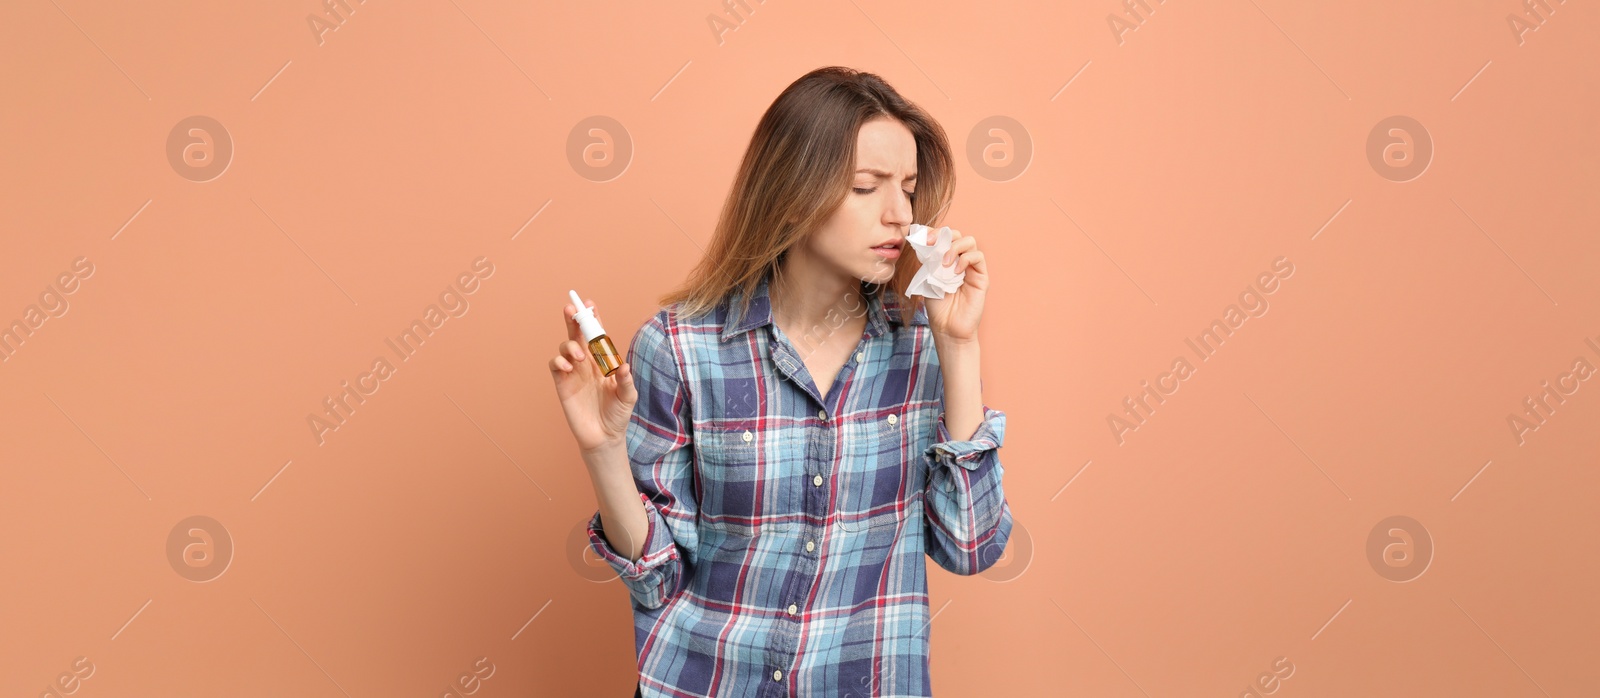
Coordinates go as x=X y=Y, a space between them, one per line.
x=1130 y=174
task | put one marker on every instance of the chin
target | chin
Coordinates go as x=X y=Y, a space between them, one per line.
x=879 y=276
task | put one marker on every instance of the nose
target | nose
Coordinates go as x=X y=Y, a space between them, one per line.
x=900 y=211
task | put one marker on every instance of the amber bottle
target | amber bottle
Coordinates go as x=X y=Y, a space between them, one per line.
x=600 y=346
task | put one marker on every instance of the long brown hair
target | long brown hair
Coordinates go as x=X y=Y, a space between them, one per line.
x=796 y=171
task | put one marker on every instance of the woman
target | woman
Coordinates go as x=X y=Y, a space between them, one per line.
x=791 y=434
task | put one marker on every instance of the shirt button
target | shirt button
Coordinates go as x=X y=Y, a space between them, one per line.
x=816 y=480
x=861 y=356
x=793 y=609
x=822 y=415
x=748 y=436
x=777 y=675
x=893 y=419
x=810 y=546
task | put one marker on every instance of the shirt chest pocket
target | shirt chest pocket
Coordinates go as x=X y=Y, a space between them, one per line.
x=748 y=478
x=887 y=430
x=878 y=473
x=908 y=431
x=902 y=433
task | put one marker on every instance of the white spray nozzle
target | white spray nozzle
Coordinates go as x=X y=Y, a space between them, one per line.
x=585 y=317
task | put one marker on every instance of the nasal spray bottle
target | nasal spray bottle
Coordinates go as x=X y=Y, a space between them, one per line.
x=600 y=346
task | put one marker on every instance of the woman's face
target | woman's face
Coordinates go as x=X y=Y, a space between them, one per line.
x=876 y=210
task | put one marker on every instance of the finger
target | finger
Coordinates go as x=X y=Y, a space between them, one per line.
x=626 y=391
x=959 y=246
x=974 y=260
x=573 y=351
x=560 y=365
x=574 y=332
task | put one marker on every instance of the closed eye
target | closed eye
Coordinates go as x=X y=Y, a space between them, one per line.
x=910 y=194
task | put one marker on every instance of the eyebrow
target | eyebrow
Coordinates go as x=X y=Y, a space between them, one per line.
x=881 y=173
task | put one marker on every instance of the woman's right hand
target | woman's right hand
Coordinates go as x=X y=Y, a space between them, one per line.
x=598 y=407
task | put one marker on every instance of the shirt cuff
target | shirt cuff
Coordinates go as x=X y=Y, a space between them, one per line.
x=658 y=545
x=991 y=434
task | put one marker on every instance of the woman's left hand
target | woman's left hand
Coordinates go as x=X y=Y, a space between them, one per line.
x=955 y=317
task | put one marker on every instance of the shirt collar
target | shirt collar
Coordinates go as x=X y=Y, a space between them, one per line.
x=884 y=311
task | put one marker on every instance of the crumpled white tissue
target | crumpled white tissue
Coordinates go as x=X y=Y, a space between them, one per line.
x=934 y=279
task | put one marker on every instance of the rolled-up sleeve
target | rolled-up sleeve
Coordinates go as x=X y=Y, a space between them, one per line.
x=968 y=518
x=661 y=456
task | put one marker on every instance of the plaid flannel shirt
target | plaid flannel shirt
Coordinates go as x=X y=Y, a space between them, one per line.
x=787 y=529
